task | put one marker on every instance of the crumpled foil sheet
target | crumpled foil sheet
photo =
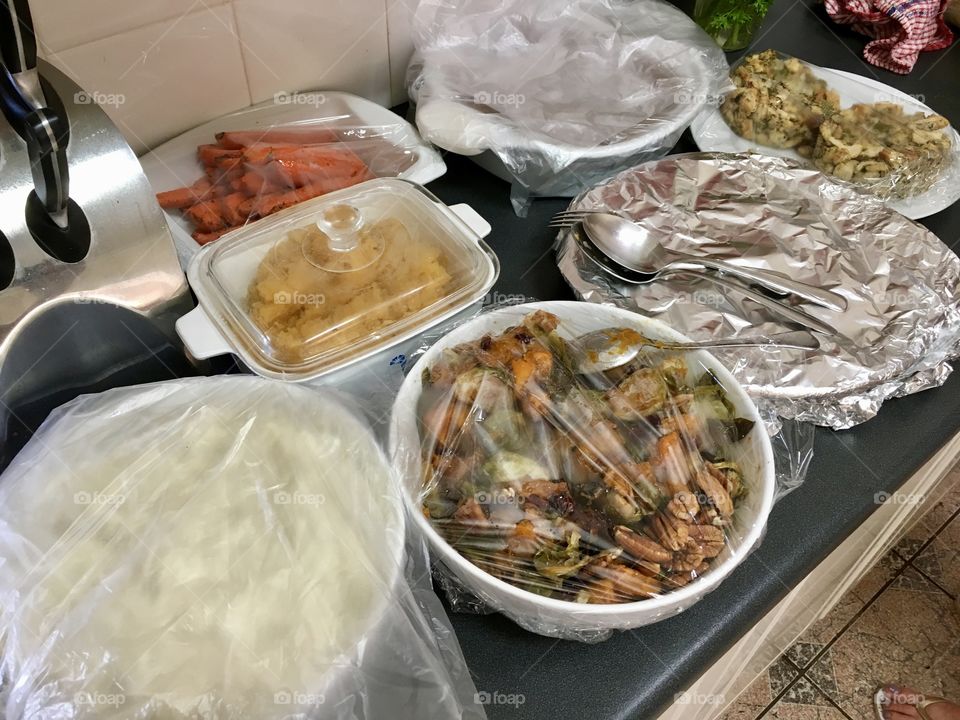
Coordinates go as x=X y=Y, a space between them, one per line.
x=901 y=283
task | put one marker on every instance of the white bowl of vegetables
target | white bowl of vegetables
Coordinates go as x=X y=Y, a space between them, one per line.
x=577 y=502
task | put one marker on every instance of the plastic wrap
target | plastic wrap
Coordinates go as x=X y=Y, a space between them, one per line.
x=561 y=94
x=886 y=142
x=222 y=548
x=575 y=501
x=246 y=172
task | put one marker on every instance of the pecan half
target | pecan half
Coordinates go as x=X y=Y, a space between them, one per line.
x=627 y=581
x=671 y=533
x=709 y=538
x=689 y=559
x=684 y=506
x=715 y=491
x=640 y=546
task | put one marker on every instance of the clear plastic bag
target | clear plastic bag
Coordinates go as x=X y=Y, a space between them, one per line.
x=227 y=547
x=848 y=127
x=578 y=500
x=561 y=94
x=250 y=164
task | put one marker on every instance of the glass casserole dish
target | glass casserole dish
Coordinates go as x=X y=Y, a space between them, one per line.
x=352 y=276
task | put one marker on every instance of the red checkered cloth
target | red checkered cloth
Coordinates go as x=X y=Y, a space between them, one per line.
x=902 y=28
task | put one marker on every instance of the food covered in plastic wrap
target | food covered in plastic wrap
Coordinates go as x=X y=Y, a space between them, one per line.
x=591 y=488
x=849 y=127
x=778 y=101
x=251 y=174
x=242 y=167
x=557 y=96
x=881 y=147
x=310 y=294
x=223 y=548
x=345 y=282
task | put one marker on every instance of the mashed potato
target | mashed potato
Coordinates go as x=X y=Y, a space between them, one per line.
x=205 y=549
x=308 y=299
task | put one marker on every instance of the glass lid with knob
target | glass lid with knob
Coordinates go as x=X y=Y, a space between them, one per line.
x=332 y=279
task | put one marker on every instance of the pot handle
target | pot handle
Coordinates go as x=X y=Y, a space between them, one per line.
x=472 y=219
x=201 y=336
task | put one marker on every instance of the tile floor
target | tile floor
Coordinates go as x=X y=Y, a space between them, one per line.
x=901 y=623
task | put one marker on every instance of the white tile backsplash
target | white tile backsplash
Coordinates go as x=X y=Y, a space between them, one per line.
x=179 y=63
x=61 y=25
x=400 y=42
x=306 y=45
x=167 y=76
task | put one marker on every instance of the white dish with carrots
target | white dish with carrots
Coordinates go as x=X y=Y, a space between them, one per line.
x=239 y=168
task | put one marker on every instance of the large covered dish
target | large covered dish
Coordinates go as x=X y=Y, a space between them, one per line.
x=529 y=535
x=347 y=280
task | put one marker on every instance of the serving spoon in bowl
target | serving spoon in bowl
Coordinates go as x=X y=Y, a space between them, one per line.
x=628 y=244
x=609 y=348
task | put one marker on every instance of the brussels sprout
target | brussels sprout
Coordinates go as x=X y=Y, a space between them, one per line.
x=481 y=387
x=509 y=468
x=504 y=428
x=638 y=395
x=721 y=415
x=558 y=563
x=731 y=476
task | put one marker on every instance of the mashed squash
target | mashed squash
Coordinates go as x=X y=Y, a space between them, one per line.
x=309 y=298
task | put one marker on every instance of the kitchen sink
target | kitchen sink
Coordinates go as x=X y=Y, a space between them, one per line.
x=73 y=349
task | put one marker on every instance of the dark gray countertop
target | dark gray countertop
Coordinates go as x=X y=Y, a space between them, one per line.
x=636 y=674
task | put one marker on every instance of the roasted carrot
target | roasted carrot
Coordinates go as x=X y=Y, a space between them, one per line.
x=250 y=174
x=231 y=208
x=289 y=136
x=205 y=215
x=221 y=173
x=209 y=154
x=268 y=204
x=330 y=153
x=230 y=166
x=254 y=183
x=176 y=199
x=290 y=174
x=184 y=197
x=203 y=238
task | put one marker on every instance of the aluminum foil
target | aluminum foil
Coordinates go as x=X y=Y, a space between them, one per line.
x=901 y=283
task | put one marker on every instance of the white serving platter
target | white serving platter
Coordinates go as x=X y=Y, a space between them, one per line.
x=174 y=163
x=712 y=134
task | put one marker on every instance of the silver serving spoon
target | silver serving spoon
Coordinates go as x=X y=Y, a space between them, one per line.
x=605 y=349
x=631 y=246
x=631 y=277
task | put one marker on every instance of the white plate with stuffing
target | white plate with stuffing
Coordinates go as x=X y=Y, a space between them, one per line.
x=712 y=133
